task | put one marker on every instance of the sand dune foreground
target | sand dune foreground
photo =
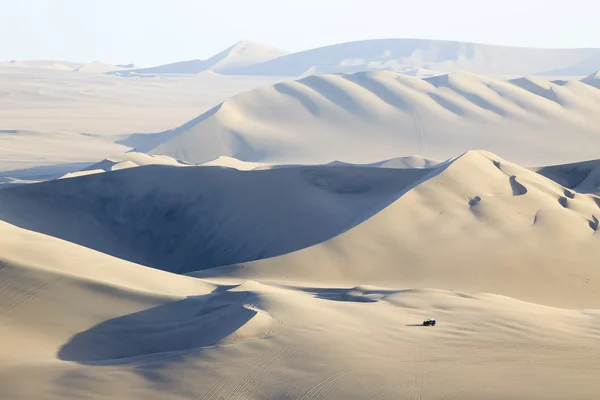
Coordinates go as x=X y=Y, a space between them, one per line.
x=505 y=257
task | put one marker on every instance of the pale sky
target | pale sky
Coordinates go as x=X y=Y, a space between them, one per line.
x=154 y=32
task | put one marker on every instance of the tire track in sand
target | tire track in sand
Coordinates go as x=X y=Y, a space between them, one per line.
x=19 y=286
x=250 y=374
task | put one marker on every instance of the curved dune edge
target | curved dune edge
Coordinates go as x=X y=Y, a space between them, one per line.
x=481 y=224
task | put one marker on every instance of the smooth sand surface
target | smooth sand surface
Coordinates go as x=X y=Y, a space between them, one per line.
x=102 y=328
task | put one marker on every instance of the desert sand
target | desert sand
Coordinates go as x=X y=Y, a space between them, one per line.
x=51 y=116
x=368 y=117
x=503 y=257
x=407 y=56
x=288 y=242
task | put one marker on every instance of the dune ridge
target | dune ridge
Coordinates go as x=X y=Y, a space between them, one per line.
x=409 y=56
x=367 y=117
x=238 y=56
x=504 y=224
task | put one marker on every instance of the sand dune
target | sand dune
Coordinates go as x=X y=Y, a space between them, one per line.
x=367 y=117
x=43 y=64
x=583 y=177
x=124 y=161
x=481 y=224
x=475 y=211
x=415 y=57
x=134 y=159
x=397 y=162
x=85 y=324
x=98 y=67
x=593 y=80
x=50 y=117
x=360 y=119
x=402 y=55
x=46 y=100
x=332 y=320
x=229 y=162
x=238 y=56
x=208 y=216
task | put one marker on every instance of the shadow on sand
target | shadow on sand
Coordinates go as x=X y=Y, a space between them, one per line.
x=176 y=326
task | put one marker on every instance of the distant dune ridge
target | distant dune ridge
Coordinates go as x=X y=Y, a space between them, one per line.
x=234 y=58
x=416 y=57
x=96 y=67
x=399 y=55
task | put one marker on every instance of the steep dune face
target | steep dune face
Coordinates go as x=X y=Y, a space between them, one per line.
x=593 y=80
x=367 y=117
x=184 y=219
x=480 y=224
x=582 y=177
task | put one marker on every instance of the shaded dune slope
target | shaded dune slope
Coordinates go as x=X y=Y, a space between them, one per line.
x=185 y=219
x=582 y=177
x=480 y=224
x=68 y=302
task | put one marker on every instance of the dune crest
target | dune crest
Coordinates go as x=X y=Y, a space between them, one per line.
x=477 y=223
x=322 y=118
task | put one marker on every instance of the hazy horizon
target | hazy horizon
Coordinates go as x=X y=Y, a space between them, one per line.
x=156 y=32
